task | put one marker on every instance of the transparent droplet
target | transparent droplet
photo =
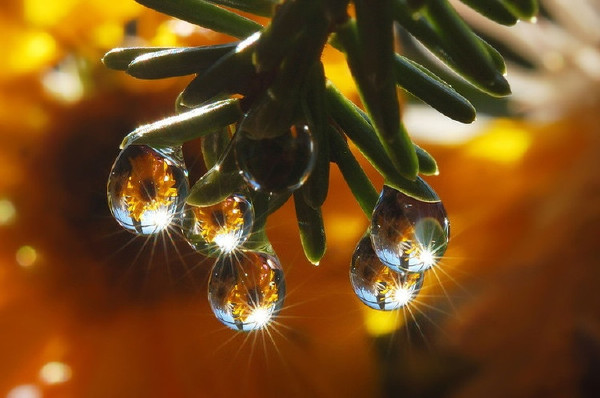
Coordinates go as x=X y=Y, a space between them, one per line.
x=276 y=164
x=379 y=286
x=408 y=234
x=147 y=188
x=219 y=228
x=245 y=293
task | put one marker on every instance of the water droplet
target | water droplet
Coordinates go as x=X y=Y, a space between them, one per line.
x=245 y=293
x=219 y=228
x=276 y=164
x=376 y=284
x=147 y=188
x=408 y=234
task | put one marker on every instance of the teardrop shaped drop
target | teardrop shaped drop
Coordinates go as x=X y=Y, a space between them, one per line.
x=376 y=284
x=408 y=234
x=147 y=188
x=245 y=293
x=276 y=164
x=220 y=228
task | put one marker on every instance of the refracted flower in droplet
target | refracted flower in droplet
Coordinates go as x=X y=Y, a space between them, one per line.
x=245 y=293
x=276 y=164
x=379 y=286
x=408 y=234
x=147 y=188
x=220 y=228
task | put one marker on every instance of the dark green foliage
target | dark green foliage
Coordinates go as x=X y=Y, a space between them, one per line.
x=273 y=79
x=312 y=230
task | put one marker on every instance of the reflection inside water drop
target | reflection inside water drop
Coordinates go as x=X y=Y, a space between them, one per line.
x=408 y=234
x=276 y=164
x=147 y=188
x=220 y=228
x=245 y=293
x=376 y=284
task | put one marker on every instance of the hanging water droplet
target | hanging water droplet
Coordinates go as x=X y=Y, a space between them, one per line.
x=276 y=164
x=219 y=228
x=245 y=293
x=147 y=188
x=376 y=284
x=408 y=234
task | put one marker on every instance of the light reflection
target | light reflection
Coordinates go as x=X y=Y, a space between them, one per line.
x=427 y=258
x=7 y=212
x=376 y=284
x=26 y=256
x=182 y=28
x=159 y=219
x=259 y=317
x=247 y=42
x=147 y=188
x=64 y=82
x=55 y=373
x=25 y=391
x=227 y=242
x=220 y=228
x=403 y=295
x=245 y=293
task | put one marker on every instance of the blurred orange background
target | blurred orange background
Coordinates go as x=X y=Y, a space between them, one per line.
x=88 y=311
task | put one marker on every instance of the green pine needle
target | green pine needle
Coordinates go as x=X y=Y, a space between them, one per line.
x=273 y=79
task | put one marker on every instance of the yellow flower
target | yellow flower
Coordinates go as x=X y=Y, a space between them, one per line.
x=150 y=186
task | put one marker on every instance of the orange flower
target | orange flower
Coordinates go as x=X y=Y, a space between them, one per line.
x=150 y=185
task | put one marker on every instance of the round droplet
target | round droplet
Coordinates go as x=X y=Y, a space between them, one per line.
x=219 y=228
x=147 y=188
x=245 y=293
x=275 y=164
x=376 y=284
x=408 y=234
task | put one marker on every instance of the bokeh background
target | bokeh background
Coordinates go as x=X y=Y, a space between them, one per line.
x=513 y=309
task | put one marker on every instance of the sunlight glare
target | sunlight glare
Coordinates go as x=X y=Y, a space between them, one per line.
x=227 y=241
x=402 y=296
x=160 y=218
x=427 y=258
x=260 y=316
